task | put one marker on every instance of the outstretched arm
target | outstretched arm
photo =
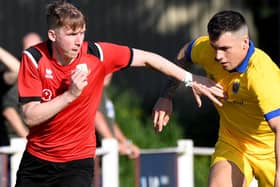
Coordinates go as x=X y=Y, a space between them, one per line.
x=201 y=85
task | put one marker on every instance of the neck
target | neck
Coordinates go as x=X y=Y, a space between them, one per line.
x=61 y=58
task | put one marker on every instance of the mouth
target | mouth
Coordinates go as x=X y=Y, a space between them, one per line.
x=223 y=63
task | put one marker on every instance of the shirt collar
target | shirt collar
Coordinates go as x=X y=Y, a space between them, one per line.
x=243 y=66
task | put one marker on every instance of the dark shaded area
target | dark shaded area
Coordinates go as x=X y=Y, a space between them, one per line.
x=266 y=18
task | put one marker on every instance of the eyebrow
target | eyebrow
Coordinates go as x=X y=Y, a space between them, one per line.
x=219 y=47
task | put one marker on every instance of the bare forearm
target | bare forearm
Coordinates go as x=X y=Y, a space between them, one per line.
x=119 y=135
x=9 y=60
x=102 y=126
x=36 y=113
x=155 y=61
x=14 y=119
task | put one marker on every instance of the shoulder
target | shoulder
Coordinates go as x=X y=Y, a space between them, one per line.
x=260 y=62
x=199 y=50
x=262 y=71
x=35 y=53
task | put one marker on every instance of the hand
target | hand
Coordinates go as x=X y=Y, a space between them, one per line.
x=78 y=82
x=161 y=113
x=204 y=86
x=129 y=149
x=133 y=152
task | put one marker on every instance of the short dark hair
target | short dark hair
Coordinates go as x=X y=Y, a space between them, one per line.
x=62 y=13
x=225 y=21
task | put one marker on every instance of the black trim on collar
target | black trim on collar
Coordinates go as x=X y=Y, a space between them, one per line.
x=93 y=49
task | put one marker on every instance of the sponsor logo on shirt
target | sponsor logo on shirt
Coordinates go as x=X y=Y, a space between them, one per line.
x=49 y=74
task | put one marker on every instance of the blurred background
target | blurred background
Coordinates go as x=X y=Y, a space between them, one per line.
x=161 y=26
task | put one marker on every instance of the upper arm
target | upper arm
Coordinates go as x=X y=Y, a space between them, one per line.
x=114 y=56
x=274 y=124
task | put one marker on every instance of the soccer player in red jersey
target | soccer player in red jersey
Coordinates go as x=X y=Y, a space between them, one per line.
x=60 y=84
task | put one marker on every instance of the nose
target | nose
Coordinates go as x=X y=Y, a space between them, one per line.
x=219 y=55
x=79 y=39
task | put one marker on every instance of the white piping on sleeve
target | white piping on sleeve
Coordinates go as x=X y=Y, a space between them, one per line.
x=100 y=51
x=31 y=58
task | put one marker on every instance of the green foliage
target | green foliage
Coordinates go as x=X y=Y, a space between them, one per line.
x=138 y=126
x=201 y=169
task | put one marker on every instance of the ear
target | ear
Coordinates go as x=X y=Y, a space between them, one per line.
x=246 y=42
x=51 y=35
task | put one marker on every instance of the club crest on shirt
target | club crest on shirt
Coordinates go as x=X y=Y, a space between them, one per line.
x=46 y=95
x=235 y=86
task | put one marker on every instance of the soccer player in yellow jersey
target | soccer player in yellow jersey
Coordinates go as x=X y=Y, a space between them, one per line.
x=249 y=141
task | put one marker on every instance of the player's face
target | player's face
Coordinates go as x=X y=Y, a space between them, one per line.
x=230 y=50
x=68 y=42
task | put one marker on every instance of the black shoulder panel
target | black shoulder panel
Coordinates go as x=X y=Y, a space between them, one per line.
x=35 y=53
x=93 y=49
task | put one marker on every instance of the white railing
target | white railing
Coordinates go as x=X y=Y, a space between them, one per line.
x=108 y=153
x=186 y=152
x=110 y=160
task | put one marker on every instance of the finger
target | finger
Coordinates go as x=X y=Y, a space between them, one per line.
x=79 y=76
x=161 y=120
x=219 y=86
x=155 y=118
x=156 y=122
x=214 y=99
x=198 y=100
x=166 y=119
x=217 y=101
x=217 y=92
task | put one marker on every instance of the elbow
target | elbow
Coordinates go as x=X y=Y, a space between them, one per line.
x=29 y=117
x=30 y=122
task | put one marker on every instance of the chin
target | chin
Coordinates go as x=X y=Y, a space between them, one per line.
x=228 y=69
x=72 y=55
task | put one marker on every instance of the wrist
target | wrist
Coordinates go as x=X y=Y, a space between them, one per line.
x=127 y=144
x=68 y=97
x=188 y=80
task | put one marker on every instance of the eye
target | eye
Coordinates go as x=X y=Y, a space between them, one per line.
x=224 y=48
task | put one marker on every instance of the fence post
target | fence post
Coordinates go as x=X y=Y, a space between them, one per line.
x=110 y=163
x=18 y=147
x=185 y=163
